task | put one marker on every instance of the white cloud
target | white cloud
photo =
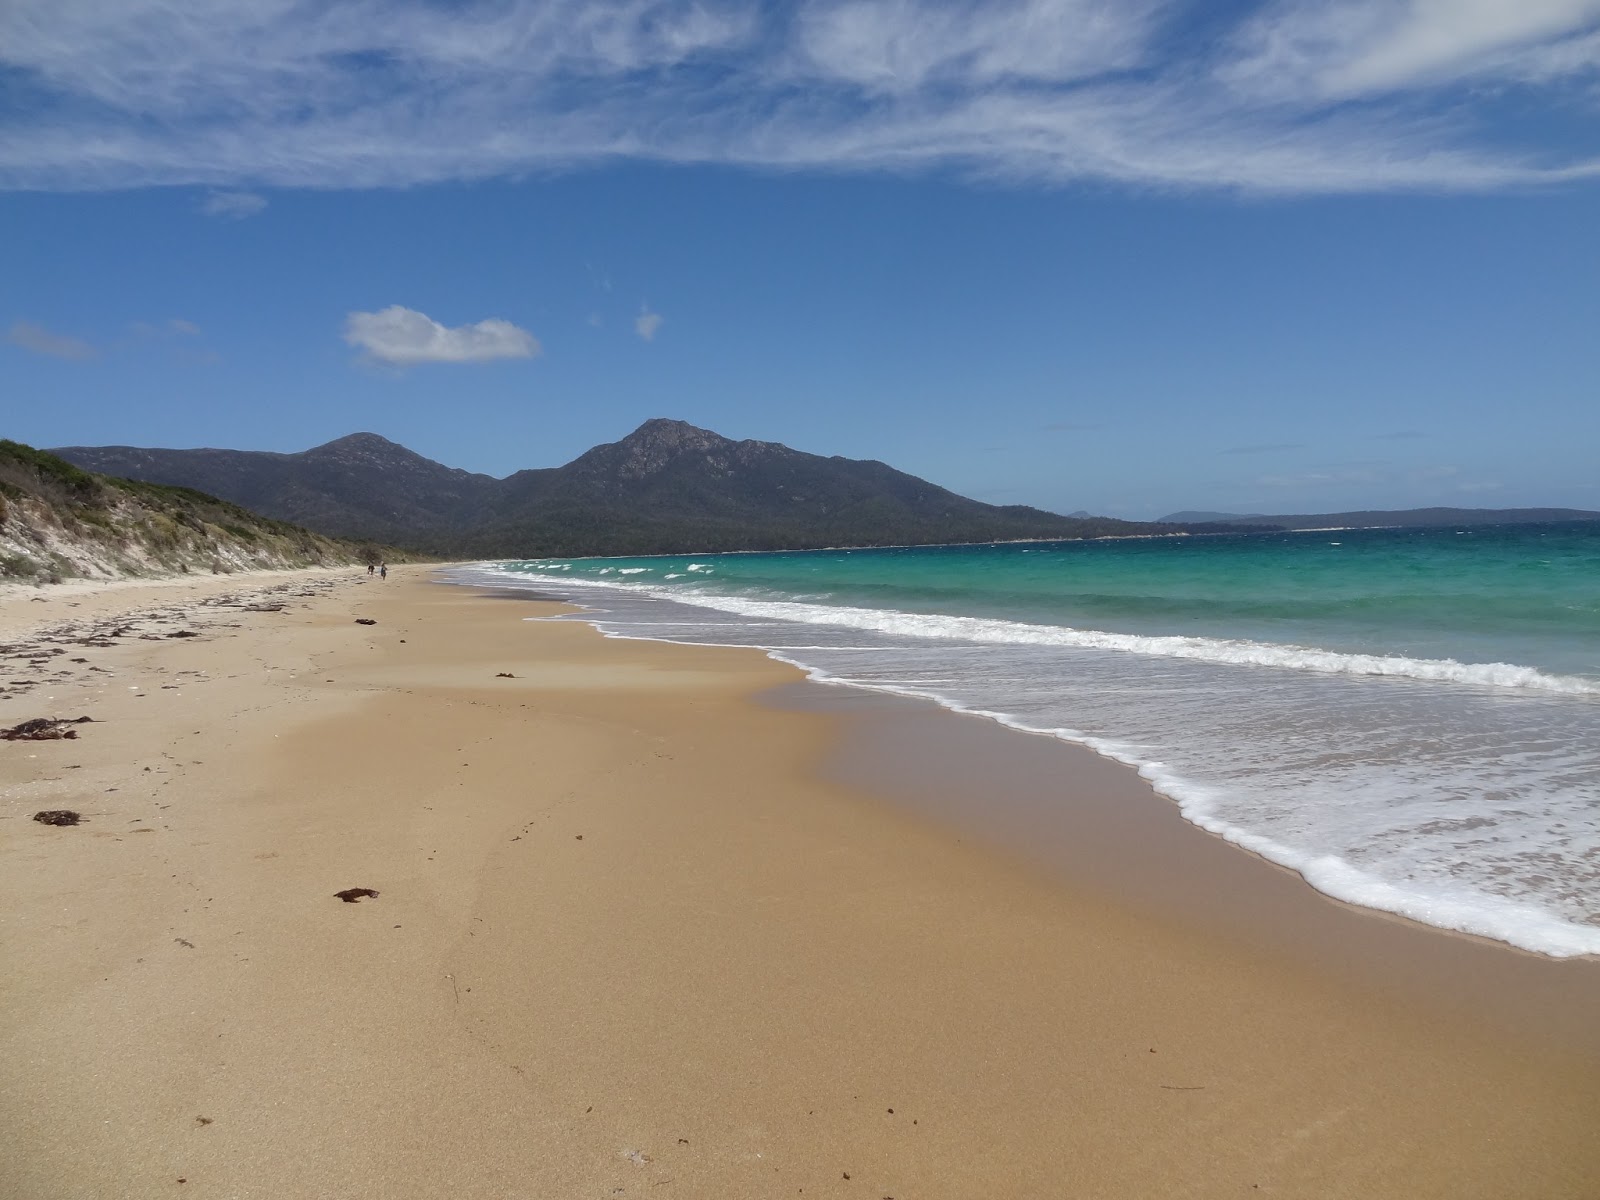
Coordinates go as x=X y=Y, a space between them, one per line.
x=184 y=328
x=32 y=336
x=404 y=337
x=381 y=93
x=895 y=46
x=1341 y=48
x=646 y=324
x=234 y=206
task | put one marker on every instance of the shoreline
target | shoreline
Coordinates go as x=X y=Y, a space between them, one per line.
x=935 y=761
x=1097 y=826
x=1524 y=892
x=633 y=930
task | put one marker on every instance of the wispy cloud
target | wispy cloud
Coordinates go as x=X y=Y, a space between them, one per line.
x=1299 y=96
x=1335 y=477
x=647 y=323
x=1346 y=48
x=403 y=337
x=233 y=206
x=1264 y=448
x=32 y=336
x=171 y=327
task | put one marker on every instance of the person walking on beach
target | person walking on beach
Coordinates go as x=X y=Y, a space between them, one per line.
x=383 y=570
x=370 y=568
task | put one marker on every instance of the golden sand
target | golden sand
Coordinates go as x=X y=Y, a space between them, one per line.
x=628 y=941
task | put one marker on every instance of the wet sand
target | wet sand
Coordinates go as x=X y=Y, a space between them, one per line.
x=1092 y=824
x=641 y=931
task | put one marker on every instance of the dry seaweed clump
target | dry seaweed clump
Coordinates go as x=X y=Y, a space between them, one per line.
x=353 y=895
x=44 y=729
x=57 y=816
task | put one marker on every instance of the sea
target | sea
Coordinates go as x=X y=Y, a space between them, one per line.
x=1409 y=718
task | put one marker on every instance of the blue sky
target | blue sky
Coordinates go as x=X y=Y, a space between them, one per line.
x=1129 y=257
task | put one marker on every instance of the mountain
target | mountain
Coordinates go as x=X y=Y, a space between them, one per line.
x=1189 y=515
x=1408 y=517
x=361 y=486
x=57 y=520
x=666 y=487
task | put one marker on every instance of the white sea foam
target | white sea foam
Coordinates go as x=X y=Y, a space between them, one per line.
x=632 y=570
x=1235 y=652
x=1458 y=908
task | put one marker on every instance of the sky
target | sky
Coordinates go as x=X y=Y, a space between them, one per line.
x=1123 y=256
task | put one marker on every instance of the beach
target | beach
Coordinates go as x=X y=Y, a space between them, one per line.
x=659 y=919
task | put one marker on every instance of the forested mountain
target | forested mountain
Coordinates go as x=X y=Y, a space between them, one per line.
x=666 y=487
x=361 y=486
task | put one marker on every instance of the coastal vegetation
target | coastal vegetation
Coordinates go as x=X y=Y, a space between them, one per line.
x=59 y=521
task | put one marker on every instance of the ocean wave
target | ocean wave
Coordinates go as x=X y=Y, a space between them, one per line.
x=1462 y=909
x=1232 y=652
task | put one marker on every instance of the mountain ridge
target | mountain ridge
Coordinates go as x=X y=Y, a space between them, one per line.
x=667 y=486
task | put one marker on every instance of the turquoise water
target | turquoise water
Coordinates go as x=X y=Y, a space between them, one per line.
x=1527 y=595
x=1411 y=718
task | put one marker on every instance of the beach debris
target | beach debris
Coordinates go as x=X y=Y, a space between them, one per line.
x=352 y=895
x=183 y=633
x=637 y=1157
x=504 y=675
x=365 y=621
x=57 y=816
x=188 y=945
x=44 y=729
x=202 y=1121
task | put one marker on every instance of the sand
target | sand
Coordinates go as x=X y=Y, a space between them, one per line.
x=638 y=933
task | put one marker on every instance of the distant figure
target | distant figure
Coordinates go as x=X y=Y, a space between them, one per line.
x=383 y=570
x=370 y=568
